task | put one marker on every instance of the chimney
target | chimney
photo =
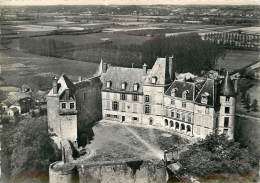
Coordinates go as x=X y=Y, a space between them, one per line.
x=144 y=69
x=79 y=79
x=171 y=68
x=236 y=84
x=104 y=67
x=55 y=85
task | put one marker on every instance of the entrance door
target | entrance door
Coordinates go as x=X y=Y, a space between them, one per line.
x=123 y=118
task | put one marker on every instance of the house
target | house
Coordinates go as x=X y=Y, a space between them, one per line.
x=192 y=107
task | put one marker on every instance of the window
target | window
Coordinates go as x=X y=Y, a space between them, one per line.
x=173 y=92
x=171 y=123
x=225 y=131
x=184 y=94
x=147 y=98
x=188 y=128
x=135 y=86
x=123 y=86
x=207 y=110
x=226 y=121
x=134 y=118
x=172 y=101
x=184 y=104
x=123 y=106
x=227 y=110
x=115 y=106
x=108 y=105
x=151 y=121
x=183 y=117
x=182 y=127
x=72 y=105
x=189 y=118
x=63 y=105
x=109 y=84
x=147 y=109
x=154 y=79
x=122 y=96
x=177 y=125
x=135 y=108
x=166 y=122
x=135 y=97
x=84 y=96
x=178 y=115
x=227 y=99
x=172 y=114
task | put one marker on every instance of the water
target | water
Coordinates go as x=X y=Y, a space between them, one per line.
x=156 y=151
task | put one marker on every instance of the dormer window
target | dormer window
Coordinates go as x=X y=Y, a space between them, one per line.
x=173 y=92
x=123 y=86
x=184 y=94
x=154 y=80
x=136 y=85
x=204 y=98
x=109 y=83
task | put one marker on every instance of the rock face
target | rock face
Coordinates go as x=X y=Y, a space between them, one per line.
x=126 y=171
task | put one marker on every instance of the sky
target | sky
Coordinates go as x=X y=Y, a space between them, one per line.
x=127 y=2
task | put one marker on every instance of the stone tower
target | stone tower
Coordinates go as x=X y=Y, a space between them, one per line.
x=62 y=113
x=227 y=107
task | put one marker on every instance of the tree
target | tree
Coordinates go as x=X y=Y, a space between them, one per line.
x=217 y=155
x=28 y=149
x=247 y=102
x=254 y=105
x=192 y=54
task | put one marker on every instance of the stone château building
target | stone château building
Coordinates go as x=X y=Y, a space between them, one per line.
x=193 y=107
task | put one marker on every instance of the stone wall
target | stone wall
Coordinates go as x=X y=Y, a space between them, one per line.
x=126 y=171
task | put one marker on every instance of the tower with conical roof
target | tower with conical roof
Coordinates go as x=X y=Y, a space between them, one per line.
x=227 y=107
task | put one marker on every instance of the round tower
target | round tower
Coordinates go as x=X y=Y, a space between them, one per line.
x=227 y=107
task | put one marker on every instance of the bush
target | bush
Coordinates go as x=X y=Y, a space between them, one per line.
x=217 y=155
x=28 y=150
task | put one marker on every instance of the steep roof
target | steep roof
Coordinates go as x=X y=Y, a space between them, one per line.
x=160 y=70
x=64 y=83
x=182 y=86
x=118 y=75
x=207 y=89
x=227 y=88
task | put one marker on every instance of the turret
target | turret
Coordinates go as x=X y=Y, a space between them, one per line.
x=227 y=107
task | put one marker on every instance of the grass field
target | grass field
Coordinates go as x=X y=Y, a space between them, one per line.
x=237 y=59
x=18 y=66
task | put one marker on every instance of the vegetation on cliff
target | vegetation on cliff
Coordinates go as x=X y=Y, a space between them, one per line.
x=217 y=156
x=27 y=150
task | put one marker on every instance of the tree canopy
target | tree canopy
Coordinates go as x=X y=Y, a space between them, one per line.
x=217 y=155
x=28 y=150
x=192 y=54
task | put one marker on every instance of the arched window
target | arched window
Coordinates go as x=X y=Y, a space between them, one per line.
x=177 y=125
x=166 y=122
x=188 y=128
x=171 y=123
x=182 y=126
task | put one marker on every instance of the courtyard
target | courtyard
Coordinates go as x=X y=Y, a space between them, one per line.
x=114 y=141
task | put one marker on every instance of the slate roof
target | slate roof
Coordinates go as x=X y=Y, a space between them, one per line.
x=160 y=71
x=227 y=88
x=209 y=89
x=14 y=98
x=64 y=83
x=118 y=75
x=180 y=87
